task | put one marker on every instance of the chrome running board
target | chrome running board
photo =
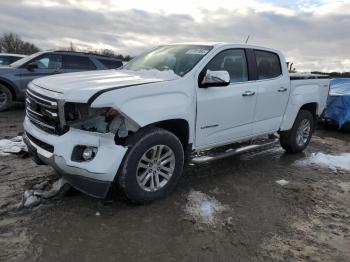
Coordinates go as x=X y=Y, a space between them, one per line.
x=231 y=152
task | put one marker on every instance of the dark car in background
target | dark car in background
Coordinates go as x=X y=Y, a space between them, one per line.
x=15 y=77
x=6 y=58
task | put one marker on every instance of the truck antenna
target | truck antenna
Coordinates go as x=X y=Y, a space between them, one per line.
x=246 y=41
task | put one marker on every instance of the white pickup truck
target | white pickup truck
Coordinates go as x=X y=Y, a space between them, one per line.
x=136 y=127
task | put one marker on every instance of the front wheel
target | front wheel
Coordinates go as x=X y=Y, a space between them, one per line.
x=298 y=138
x=152 y=166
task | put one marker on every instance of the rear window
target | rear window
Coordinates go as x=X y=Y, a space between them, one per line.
x=268 y=64
x=110 y=64
x=77 y=63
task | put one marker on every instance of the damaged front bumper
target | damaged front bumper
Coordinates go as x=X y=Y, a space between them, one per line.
x=93 y=177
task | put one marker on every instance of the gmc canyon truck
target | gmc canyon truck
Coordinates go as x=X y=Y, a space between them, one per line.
x=136 y=127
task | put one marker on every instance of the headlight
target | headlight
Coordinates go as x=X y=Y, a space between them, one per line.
x=76 y=112
x=101 y=120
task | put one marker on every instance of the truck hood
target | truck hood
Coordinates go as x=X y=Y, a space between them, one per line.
x=79 y=87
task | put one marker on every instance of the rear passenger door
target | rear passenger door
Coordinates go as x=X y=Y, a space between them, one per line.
x=75 y=63
x=273 y=91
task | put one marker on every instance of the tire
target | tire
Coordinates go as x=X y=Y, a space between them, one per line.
x=291 y=140
x=6 y=98
x=346 y=127
x=135 y=168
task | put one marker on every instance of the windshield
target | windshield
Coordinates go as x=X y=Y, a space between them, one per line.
x=178 y=58
x=24 y=60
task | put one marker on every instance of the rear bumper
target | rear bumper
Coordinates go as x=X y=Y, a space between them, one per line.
x=90 y=177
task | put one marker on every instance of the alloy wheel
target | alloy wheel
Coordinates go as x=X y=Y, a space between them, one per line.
x=303 y=132
x=155 y=168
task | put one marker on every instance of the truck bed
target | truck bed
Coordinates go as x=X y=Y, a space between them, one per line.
x=313 y=85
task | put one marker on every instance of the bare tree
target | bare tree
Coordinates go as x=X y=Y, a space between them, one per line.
x=12 y=43
x=111 y=53
x=71 y=47
x=107 y=52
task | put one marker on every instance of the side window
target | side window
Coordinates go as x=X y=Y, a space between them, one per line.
x=268 y=64
x=234 y=62
x=77 y=63
x=48 y=61
x=110 y=64
x=5 y=60
x=15 y=58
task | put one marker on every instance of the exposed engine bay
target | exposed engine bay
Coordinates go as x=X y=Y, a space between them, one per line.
x=101 y=120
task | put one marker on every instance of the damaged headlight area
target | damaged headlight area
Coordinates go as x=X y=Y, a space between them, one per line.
x=101 y=120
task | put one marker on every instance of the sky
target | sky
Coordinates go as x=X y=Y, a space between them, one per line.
x=313 y=34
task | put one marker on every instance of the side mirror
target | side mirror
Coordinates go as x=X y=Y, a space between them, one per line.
x=32 y=66
x=216 y=78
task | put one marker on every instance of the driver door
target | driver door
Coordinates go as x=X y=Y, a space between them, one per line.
x=226 y=113
x=47 y=64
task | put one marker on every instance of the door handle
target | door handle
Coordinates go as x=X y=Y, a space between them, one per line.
x=248 y=93
x=282 y=89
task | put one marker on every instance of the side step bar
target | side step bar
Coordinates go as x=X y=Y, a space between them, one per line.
x=231 y=152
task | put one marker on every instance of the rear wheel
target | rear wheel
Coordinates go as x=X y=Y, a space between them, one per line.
x=5 y=98
x=152 y=166
x=298 y=138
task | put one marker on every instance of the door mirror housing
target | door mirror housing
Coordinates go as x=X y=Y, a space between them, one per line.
x=32 y=66
x=216 y=78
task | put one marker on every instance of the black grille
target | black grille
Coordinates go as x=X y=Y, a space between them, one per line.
x=42 y=111
x=40 y=143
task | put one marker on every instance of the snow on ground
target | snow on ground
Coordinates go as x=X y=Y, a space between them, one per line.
x=203 y=208
x=282 y=182
x=12 y=146
x=333 y=162
x=33 y=197
x=202 y=158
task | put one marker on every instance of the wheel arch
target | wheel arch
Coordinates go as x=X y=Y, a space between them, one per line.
x=179 y=127
x=293 y=111
x=311 y=107
x=10 y=86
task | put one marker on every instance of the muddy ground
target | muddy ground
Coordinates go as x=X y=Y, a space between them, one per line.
x=306 y=220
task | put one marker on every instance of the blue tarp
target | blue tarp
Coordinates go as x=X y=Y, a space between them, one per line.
x=338 y=103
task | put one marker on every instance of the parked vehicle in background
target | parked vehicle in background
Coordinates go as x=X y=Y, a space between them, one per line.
x=137 y=126
x=15 y=77
x=6 y=58
x=338 y=103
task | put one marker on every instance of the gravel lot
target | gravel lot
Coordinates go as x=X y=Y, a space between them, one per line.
x=230 y=210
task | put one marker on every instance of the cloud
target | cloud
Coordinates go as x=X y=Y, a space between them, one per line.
x=314 y=35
